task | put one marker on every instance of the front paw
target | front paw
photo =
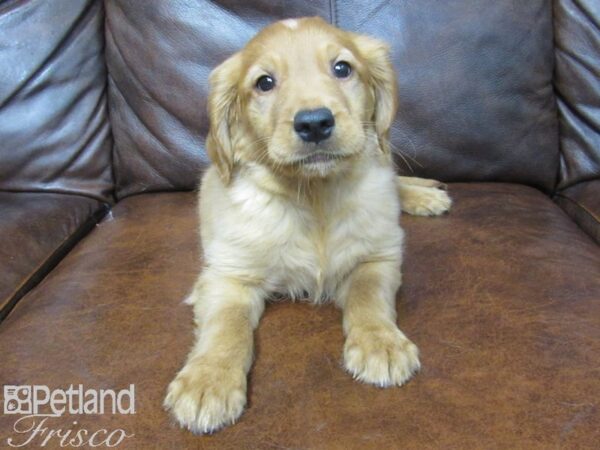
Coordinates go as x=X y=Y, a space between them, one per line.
x=426 y=201
x=205 y=397
x=380 y=355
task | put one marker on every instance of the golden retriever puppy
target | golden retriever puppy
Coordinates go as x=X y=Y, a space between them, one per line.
x=301 y=200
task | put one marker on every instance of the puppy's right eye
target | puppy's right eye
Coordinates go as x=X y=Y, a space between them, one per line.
x=342 y=69
x=265 y=83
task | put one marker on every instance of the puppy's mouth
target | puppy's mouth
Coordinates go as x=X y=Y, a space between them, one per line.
x=318 y=158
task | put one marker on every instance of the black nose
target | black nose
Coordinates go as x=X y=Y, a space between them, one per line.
x=314 y=125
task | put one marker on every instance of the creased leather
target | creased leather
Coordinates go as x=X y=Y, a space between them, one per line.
x=475 y=83
x=54 y=130
x=577 y=81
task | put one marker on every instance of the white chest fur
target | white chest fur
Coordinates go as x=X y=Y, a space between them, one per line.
x=303 y=246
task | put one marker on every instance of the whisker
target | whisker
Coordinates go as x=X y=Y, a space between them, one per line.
x=407 y=137
x=396 y=150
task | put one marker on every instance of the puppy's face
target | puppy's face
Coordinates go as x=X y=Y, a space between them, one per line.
x=303 y=98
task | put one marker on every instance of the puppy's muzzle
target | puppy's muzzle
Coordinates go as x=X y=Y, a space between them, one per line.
x=314 y=125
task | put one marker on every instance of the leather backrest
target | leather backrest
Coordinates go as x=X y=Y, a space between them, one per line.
x=475 y=85
x=54 y=129
x=578 y=88
x=159 y=56
x=475 y=81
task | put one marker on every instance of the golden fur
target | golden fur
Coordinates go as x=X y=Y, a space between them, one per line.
x=273 y=221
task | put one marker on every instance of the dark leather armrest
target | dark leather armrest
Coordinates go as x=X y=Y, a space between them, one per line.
x=582 y=203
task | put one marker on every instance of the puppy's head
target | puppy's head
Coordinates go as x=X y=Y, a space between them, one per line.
x=303 y=99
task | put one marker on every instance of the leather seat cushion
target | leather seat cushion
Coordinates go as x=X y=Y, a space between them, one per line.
x=36 y=231
x=501 y=296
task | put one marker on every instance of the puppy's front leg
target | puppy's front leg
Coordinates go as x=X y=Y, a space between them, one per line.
x=376 y=351
x=210 y=390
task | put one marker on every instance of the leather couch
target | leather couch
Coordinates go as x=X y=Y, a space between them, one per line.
x=102 y=124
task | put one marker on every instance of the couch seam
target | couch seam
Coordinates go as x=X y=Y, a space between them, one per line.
x=106 y=93
x=49 y=263
x=333 y=12
x=98 y=198
x=585 y=210
x=556 y=95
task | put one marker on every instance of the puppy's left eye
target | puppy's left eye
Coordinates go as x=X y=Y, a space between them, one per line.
x=265 y=83
x=342 y=69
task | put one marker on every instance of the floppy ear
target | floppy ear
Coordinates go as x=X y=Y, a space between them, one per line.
x=382 y=79
x=223 y=112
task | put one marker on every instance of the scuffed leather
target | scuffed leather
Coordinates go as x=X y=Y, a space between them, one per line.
x=54 y=130
x=501 y=296
x=577 y=82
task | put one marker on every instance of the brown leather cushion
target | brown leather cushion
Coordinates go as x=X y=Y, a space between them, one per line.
x=475 y=81
x=501 y=296
x=54 y=129
x=36 y=231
